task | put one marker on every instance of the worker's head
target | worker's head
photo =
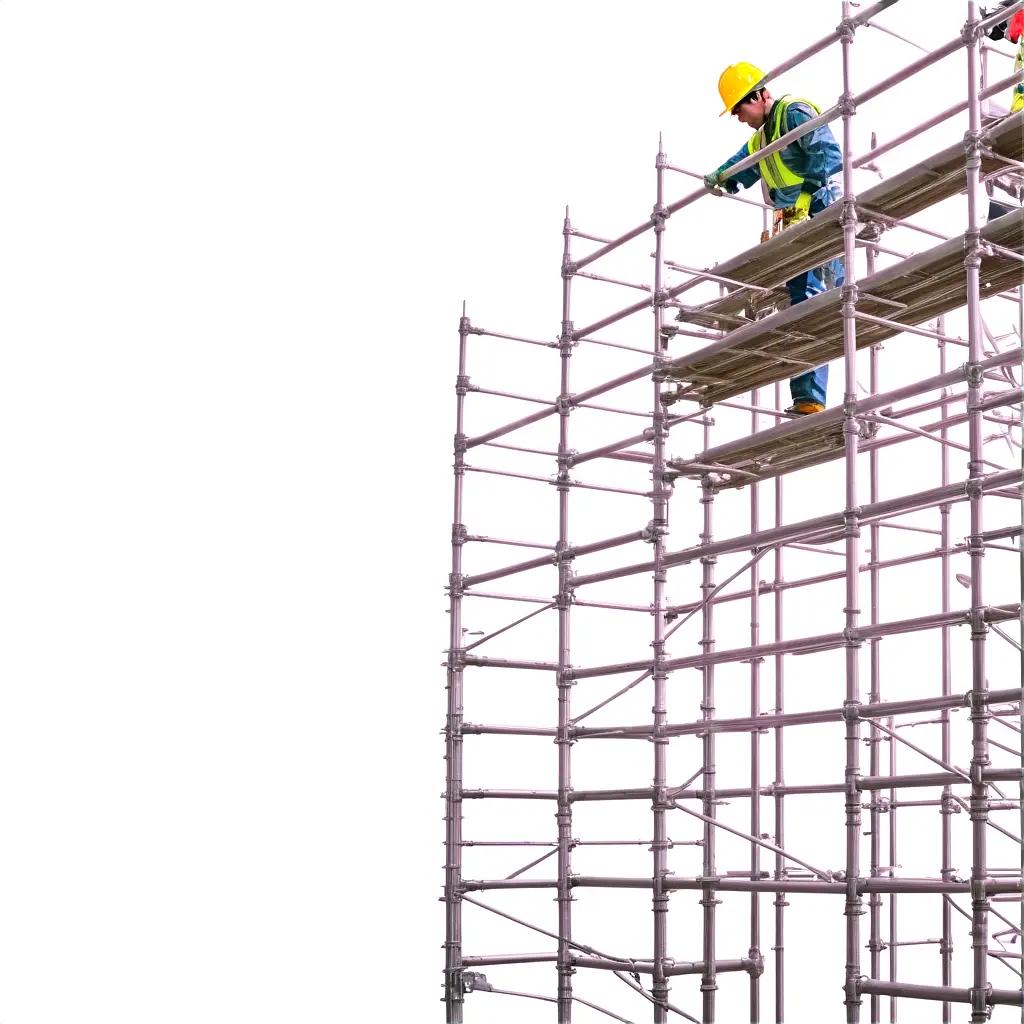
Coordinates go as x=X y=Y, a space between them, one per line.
x=753 y=109
x=737 y=82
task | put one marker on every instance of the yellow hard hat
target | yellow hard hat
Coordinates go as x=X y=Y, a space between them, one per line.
x=736 y=81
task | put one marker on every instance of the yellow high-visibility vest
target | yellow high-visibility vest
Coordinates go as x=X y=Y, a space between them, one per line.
x=774 y=172
x=1018 y=92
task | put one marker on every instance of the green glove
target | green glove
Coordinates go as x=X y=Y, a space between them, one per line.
x=712 y=181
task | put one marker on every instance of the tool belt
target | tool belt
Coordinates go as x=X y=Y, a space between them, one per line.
x=781 y=219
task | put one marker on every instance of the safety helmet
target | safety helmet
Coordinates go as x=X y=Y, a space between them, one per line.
x=737 y=81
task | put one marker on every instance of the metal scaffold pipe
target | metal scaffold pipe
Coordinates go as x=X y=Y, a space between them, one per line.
x=563 y=682
x=453 y=981
x=895 y=741
x=979 y=683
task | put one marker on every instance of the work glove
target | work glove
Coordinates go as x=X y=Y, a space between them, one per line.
x=713 y=181
x=801 y=209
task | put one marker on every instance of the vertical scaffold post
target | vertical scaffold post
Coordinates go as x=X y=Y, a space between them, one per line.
x=851 y=706
x=894 y=948
x=708 y=981
x=946 y=810
x=453 y=992
x=975 y=541
x=754 y=951
x=658 y=531
x=779 y=948
x=875 y=943
x=564 y=680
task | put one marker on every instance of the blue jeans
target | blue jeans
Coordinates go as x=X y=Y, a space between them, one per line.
x=811 y=386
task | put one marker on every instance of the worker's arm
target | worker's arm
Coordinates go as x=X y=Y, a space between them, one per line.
x=745 y=178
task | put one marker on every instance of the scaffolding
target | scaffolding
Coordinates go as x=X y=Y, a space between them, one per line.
x=745 y=339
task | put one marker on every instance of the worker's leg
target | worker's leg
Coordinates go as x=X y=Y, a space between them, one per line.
x=812 y=386
x=996 y=210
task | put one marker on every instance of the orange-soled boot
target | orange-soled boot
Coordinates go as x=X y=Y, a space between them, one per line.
x=805 y=408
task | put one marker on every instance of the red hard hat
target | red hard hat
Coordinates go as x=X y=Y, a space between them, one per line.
x=1016 y=27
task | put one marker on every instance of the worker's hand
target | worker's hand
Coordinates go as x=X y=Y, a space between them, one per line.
x=713 y=181
x=801 y=208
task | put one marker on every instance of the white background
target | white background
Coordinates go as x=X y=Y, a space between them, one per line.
x=234 y=243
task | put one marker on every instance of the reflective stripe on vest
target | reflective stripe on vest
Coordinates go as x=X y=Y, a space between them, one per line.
x=774 y=172
x=1017 y=103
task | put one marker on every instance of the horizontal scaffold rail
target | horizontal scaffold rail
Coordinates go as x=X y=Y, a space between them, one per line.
x=808 y=644
x=811 y=333
x=864 y=783
x=812 y=527
x=992 y=886
x=568 y=554
x=820 y=239
x=756 y=723
x=774 y=721
x=944 y=993
x=811 y=440
x=677 y=968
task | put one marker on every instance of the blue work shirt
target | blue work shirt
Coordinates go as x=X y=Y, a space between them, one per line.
x=816 y=157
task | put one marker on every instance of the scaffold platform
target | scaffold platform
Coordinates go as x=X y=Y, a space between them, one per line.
x=801 y=337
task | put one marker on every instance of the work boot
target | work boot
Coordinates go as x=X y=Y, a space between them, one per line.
x=805 y=407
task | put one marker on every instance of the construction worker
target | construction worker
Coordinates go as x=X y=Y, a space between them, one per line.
x=1012 y=29
x=796 y=181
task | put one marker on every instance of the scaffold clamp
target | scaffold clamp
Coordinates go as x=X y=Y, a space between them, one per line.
x=474 y=981
x=971 y=31
x=974 y=374
x=756 y=968
x=653 y=530
x=849 y=218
